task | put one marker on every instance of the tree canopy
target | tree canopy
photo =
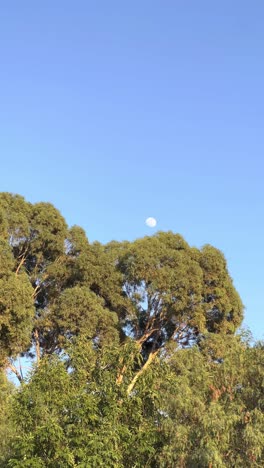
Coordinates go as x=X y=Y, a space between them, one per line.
x=136 y=358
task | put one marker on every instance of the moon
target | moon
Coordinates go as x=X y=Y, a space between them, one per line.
x=151 y=222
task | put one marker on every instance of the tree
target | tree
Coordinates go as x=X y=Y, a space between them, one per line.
x=43 y=264
x=160 y=288
x=16 y=306
x=81 y=418
x=196 y=407
x=7 y=430
x=33 y=238
x=175 y=293
x=137 y=359
x=213 y=405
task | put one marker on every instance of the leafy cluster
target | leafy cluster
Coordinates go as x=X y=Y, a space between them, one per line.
x=135 y=360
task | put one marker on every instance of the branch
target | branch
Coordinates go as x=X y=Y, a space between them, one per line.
x=36 y=336
x=14 y=370
x=35 y=292
x=22 y=261
x=23 y=257
x=139 y=343
x=146 y=335
x=120 y=375
x=37 y=288
x=151 y=358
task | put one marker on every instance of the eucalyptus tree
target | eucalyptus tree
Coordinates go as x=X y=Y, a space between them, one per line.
x=175 y=293
x=46 y=268
x=153 y=291
x=213 y=405
x=138 y=363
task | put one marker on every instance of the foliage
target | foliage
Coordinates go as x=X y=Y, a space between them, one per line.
x=135 y=357
x=213 y=421
x=7 y=430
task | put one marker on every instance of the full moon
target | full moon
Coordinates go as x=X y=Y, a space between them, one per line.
x=151 y=222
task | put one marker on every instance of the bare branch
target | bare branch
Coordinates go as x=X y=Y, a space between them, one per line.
x=36 y=336
x=13 y=368
x=120 y=375
x=146 y=335
x=21 y=263
x=150 y=359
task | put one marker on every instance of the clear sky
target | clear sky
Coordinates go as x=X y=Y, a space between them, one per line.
x=119 y=110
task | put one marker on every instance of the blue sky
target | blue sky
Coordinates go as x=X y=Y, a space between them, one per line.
x=115 y=111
